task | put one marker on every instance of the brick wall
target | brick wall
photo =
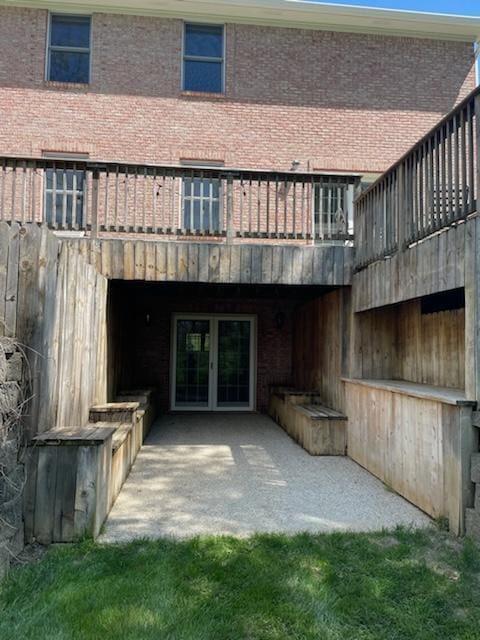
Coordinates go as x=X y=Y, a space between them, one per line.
x=143 y=351
x=334 y=101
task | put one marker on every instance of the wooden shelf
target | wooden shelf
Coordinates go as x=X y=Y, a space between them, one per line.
x=423 y=391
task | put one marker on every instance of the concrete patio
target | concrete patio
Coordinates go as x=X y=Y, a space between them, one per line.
x=241 y=474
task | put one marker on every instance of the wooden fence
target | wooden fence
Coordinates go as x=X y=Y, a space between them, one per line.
x=176 y=201
x=433 y=186
x=54 y=302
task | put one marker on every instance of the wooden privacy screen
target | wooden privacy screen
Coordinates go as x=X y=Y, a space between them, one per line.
x=54 y=302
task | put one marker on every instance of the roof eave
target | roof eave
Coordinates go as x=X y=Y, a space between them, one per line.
x=282 y=13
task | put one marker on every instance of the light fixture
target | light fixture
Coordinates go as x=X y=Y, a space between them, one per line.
x=279 y=320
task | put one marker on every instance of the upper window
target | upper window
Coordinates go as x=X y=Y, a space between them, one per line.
x=203 y=58
x=69 y=49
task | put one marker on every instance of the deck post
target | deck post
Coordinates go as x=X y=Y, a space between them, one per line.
x=472 y=283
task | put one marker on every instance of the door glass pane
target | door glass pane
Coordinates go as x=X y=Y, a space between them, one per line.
x=193 y=362
x=233 y=363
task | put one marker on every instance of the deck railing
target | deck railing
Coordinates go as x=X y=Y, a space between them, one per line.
x=433 y=186
x=113 y=198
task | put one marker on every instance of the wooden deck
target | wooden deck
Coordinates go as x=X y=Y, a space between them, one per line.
x=190 y=261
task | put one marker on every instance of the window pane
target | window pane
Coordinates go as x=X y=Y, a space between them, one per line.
x=204 y=40
x=57 y=216
x=66 y=66
x=187 y=221
x=203 y=76
x=70 y=31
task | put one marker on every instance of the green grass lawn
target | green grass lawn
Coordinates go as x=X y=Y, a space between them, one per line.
x=421 y=585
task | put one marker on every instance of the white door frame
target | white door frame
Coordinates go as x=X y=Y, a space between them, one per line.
x=213 y=318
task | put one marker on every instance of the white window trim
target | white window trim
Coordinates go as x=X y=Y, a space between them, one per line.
x=222 y=60
x=51 y=14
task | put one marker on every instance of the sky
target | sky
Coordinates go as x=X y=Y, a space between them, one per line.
x=457 y=7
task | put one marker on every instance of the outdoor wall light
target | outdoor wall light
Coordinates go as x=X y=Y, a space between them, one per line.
x=147 y=319
x=279 y=320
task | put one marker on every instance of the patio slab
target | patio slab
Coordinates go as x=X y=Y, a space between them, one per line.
x=241 y=474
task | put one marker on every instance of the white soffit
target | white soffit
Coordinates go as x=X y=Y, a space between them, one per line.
x=282 y=13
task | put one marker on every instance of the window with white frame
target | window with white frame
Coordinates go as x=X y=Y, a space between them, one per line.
x=332 y=209
x=201 y=198
x=64 y=197
x=203 y=58
x=68 y=58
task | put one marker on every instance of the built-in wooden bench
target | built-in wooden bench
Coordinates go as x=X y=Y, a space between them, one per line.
x=72 y=480
x=79 y=471
x=147 y=408
x=126 y=441
x=317 y=428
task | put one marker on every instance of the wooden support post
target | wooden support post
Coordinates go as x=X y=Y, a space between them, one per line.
x=230 y=222
x=472 y=284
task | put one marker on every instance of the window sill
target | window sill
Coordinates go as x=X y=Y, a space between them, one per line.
x=54 y=84
x=203 y=95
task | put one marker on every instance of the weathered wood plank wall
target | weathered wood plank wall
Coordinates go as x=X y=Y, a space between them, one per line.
x=319 y=347
x=419 y=447
x=433 y=265
x=398 y=343
x=402 y=343
x=220 y=263
x=54 y=302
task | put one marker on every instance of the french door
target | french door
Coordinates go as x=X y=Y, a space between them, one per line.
x=213 y=363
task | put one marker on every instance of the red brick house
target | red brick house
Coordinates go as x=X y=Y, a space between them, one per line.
x=205 y=156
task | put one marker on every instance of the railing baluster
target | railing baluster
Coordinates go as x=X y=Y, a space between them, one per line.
x=268 y=207
x=457 y=166
x=163 y=217
x=115 y=213
x=126 y=221
x=135 y=181
x=144 y=203
x=74 y=197
x=259 y=227
x=230 y=220
x=154 y=201
x=250 y=205
x=33 y=169
x=463 y=148
x=443 y=174
x=294 y=205
x=302 y=210
x=95 y=180
x=449 y=168
x=471 y=156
